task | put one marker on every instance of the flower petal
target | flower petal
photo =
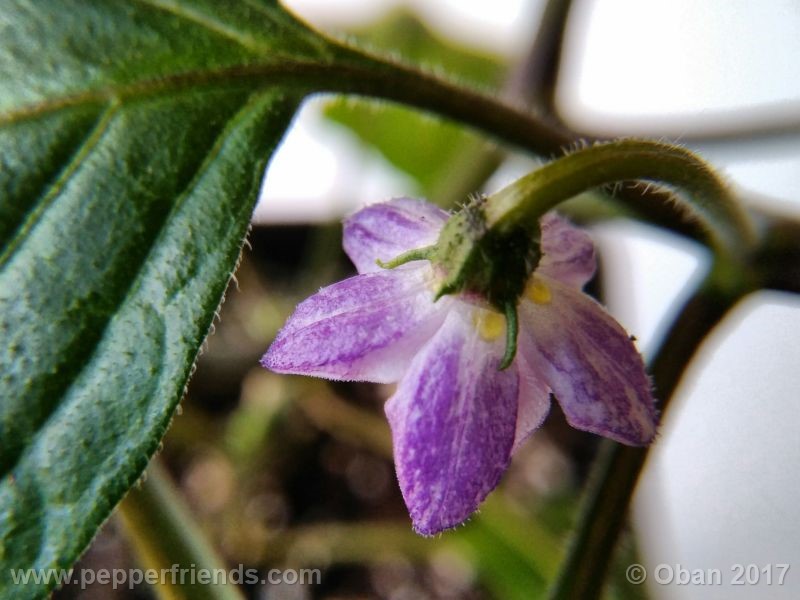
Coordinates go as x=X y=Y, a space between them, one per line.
x=365 y=328
x=590 y=363
x=533 y=403
x=453 y=419
x=386 y=230
x=568 y=252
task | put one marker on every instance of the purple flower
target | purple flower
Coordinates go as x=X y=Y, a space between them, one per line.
x=455 y=418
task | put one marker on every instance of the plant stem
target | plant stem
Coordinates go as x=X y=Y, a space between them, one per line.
x=777 y=260
x=616 y=470
x=538 y=74
x=354 y=72
x=166 y=538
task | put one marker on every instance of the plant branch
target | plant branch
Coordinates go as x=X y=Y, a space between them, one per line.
x=366 y=75
x=777 y=260
x=534 y=82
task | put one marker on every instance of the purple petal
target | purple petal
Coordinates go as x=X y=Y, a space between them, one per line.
x=568 y=252
x=453 y=419
x=384 y=231
x=533 y=404
x=365 y=328
x=590 y=363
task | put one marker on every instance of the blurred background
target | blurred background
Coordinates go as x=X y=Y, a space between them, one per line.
x=294 y=472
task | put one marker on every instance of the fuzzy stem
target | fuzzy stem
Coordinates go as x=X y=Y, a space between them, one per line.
x=708 y=200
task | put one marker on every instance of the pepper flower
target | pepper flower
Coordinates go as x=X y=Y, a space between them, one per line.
x=456 y=417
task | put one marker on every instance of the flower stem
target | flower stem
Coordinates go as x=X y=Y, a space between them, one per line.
x=616 y=470
x=167 y=539
x=708 y=199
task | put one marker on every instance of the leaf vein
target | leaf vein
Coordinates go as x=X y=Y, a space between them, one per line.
x=51 y=192
x=287 y=72
x=246 y=41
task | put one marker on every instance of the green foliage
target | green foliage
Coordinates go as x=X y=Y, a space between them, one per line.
x=132 y=144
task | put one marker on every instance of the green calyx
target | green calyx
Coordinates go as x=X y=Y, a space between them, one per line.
x=492 y=264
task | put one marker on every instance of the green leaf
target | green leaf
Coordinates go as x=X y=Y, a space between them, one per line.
x=432 y=151
x=133 y=139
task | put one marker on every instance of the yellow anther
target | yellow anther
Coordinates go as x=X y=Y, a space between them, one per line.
x=537 y=291
x=490 y=325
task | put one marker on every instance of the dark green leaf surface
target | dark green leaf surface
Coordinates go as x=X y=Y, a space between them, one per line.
x=131 y=154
